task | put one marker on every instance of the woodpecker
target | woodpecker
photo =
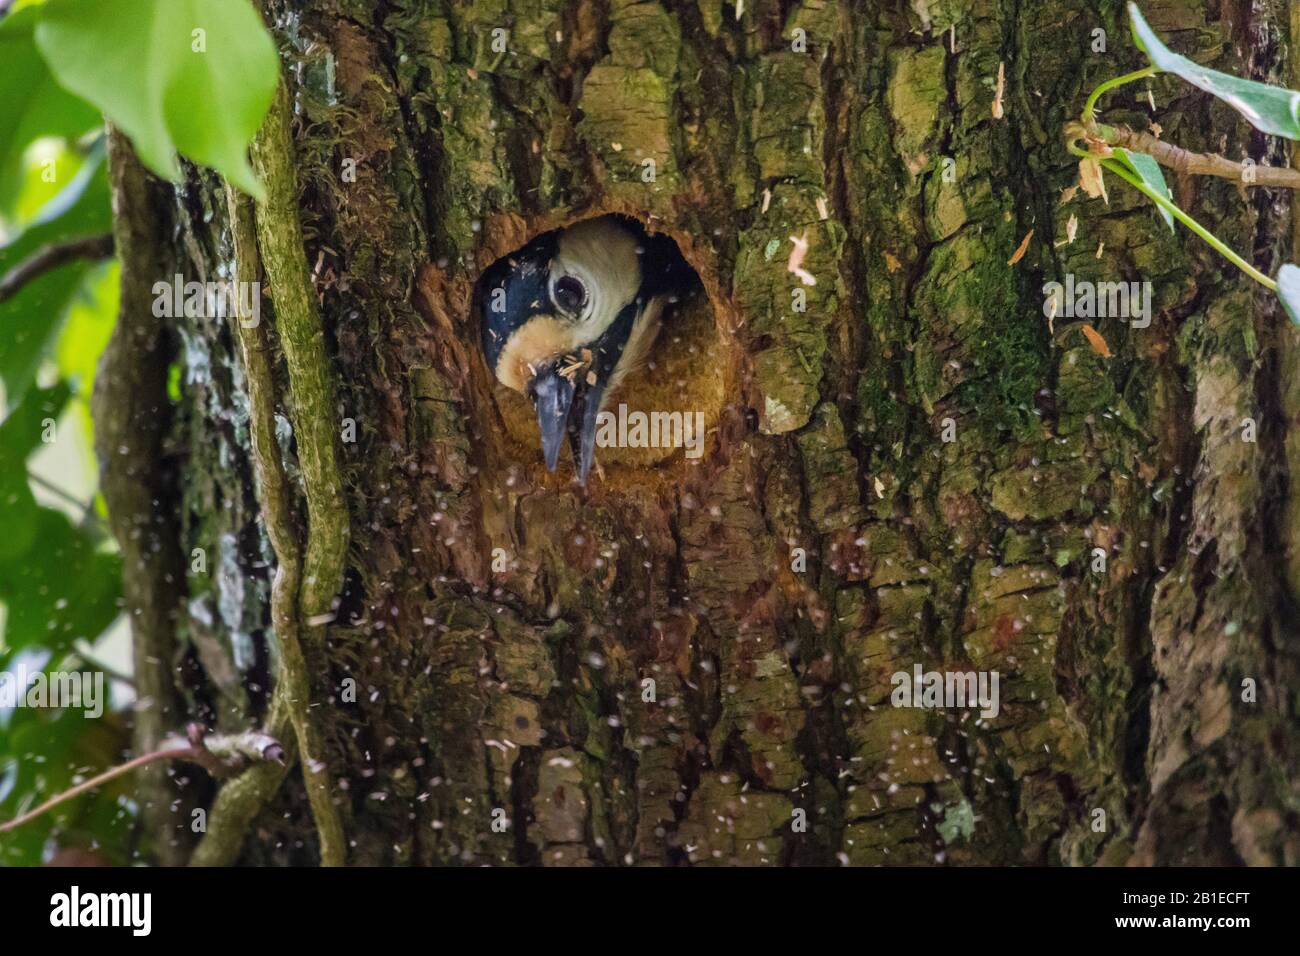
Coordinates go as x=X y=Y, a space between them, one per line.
x=568 y=316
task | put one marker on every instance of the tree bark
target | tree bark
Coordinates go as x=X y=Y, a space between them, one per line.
x=691 y=661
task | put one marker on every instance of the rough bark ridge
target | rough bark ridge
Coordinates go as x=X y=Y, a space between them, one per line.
x=425 y=153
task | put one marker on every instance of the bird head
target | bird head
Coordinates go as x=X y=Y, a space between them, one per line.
x=565 y=317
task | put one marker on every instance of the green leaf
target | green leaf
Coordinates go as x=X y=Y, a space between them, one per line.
x=20 y=431
x=19 y=507
x=1288 y=290
x=69 y=194
x=194 y=76
x=35 y=106
x=30 y=319
x=1270 y=109
x=60 y=589
x=1148 y=170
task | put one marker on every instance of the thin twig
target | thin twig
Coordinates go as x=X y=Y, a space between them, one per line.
x=1113 y=166
x=95 y=663
x=172 y=753
x=87 y=508
x=1199 y=164
x=51 y=257
x=218 y=755
x=1090 y=107
x=55 y=490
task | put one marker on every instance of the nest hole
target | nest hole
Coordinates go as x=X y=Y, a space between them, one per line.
x=666 y=410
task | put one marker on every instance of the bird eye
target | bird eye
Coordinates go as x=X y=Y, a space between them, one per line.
x=570 y=294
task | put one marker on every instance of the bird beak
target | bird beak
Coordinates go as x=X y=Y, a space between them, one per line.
x=565 y=408
x=582 y=437
x=567 y=393
x=552 y=394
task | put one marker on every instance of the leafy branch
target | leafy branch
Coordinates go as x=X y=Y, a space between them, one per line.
x=1136 y=157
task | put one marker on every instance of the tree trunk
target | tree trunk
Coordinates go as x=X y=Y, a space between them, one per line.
x=692 y=660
